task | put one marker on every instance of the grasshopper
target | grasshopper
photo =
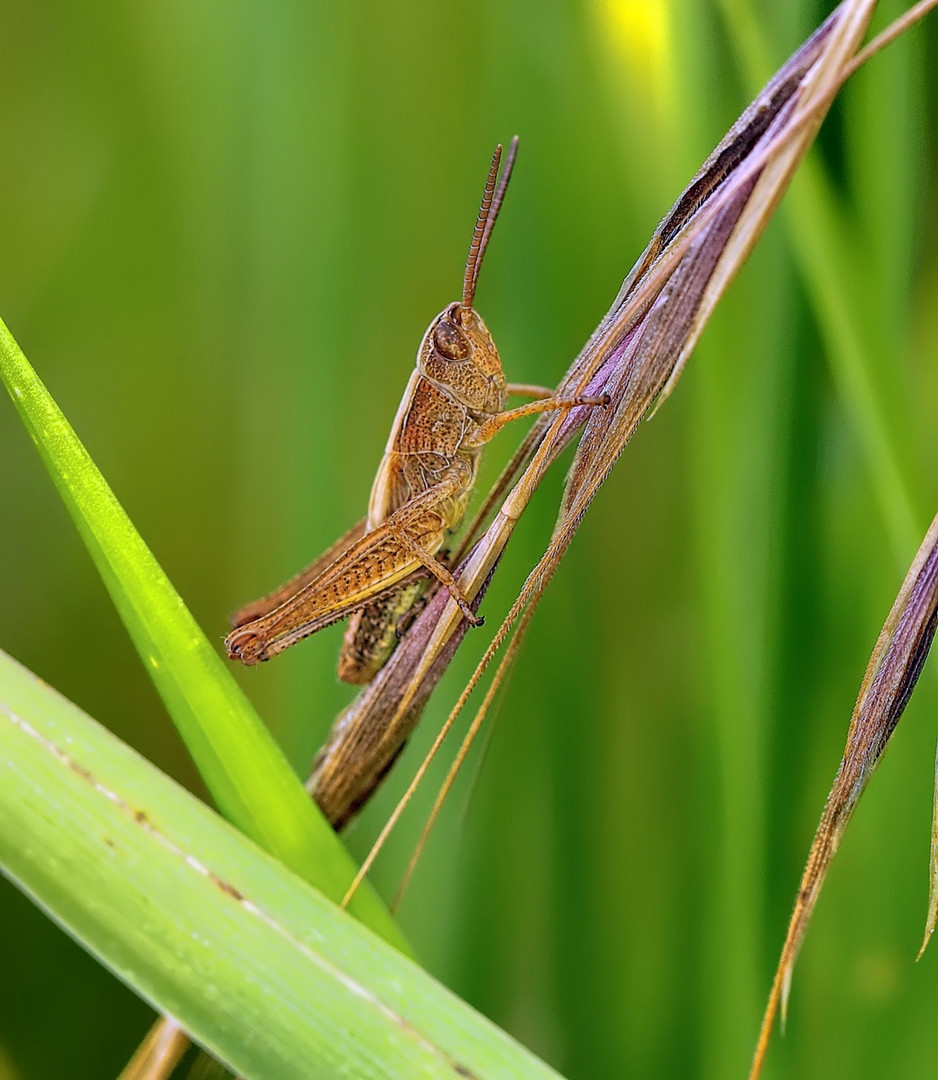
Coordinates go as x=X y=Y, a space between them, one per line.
x=453 y=405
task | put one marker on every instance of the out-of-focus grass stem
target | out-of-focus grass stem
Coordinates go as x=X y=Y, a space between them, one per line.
x=831 y=258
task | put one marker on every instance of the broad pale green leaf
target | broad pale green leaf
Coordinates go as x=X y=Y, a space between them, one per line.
x=259 y=967
x=248 y=776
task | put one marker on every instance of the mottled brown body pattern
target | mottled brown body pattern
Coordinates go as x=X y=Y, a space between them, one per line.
x=428 y=440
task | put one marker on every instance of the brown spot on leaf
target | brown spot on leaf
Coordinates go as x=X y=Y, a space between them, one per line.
x=227 y=887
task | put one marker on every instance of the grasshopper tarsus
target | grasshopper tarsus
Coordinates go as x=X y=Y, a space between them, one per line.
x=471 y=617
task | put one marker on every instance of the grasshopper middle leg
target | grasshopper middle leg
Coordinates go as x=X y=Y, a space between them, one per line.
x=440 y=572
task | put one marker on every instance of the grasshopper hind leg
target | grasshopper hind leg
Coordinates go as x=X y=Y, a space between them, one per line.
x=372 y=634
x=440 y=572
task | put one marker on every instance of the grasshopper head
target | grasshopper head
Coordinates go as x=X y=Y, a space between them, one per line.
x=458 y=352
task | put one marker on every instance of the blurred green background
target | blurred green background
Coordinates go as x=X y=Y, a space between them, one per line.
x=224 y=228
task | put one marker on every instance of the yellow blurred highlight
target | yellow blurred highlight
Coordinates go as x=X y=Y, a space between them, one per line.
x=8 y=1071
x=636 y=35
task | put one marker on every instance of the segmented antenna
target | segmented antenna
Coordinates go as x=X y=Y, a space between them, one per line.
x=485 y=222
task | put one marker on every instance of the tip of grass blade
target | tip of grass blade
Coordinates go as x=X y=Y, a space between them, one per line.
x=785 y=995
x=932 y=917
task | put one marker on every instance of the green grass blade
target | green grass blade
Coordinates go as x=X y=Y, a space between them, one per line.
x=260 y=968
x=861 y=345
x=243 y=768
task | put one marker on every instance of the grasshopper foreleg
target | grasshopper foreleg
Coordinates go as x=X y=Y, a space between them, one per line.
x=487 y=430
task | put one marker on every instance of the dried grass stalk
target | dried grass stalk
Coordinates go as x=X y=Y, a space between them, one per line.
x=890 y=678
x=635 y=356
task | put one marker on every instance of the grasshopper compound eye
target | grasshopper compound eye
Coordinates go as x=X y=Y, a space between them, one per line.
x=448 y=340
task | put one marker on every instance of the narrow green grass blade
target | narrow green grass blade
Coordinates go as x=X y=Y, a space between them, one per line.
x=249 y=778
x=828 y=260
x=260 y=968
x=833 y=260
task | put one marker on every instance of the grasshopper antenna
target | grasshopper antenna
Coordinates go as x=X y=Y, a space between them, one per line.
x=488 y=213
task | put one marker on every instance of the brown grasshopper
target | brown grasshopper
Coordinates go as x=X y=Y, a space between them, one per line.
x=453 y=405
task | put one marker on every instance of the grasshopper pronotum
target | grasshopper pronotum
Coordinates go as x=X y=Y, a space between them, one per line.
x=453 y=405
